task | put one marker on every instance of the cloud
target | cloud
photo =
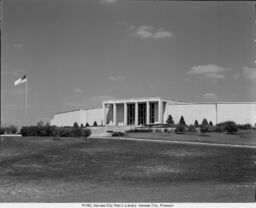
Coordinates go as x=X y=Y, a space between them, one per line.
x=209 y=71
x=116 y=78
x=249 y=73
x=210 y=96
x=17 y=45
x=108 y=1
x=146 y=32
x=78 y=90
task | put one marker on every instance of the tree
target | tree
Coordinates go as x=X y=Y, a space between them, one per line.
x=170 y=120
x=205 y=122
x=182 y=121
x=87 y=125
x=95 y=123
x=82 y=126
x=40 y=123
x=75 y=125
x=210 y=123
x=196 y=123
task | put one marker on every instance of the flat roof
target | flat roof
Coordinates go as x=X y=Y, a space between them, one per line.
x=140 y=99
x=68 y=111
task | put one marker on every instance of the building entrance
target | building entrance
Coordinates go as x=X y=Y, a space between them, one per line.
x=130 y=114
x=142 y=112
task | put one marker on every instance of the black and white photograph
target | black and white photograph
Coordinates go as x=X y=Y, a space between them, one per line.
x=129 y=102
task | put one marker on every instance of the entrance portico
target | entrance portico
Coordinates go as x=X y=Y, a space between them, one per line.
x=133 y=111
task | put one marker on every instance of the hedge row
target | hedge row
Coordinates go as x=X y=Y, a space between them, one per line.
x=228 y=126
x=8 y=129
x=139 y=130
x=54 y=131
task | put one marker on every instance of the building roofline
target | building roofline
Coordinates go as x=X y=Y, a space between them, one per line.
x=210 y=103
x=68 y=111
x=143 y=98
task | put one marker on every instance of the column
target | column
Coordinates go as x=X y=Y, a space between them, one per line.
x=104 y=115
x=136 y=113
x=160 y=113
x=114 y=114
x=125 y=114
x=148 y=113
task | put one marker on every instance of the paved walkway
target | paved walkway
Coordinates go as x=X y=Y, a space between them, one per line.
x=177 y=142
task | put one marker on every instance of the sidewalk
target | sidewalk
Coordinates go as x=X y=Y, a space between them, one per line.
x=176 y=142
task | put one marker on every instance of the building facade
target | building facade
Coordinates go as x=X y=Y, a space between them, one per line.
x=140 y=111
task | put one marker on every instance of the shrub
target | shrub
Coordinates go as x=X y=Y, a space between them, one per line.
x=75 y=125
x=219 y=128
x=182 y=121
x=138 y=130
x=210 y=123
x=117 y=134
x=95 y=123
x=1 y=130
x=180 y=128
x=196 y=123
x=87 y=125
x=86 y=133
x=204 y=122
x=24 y=131
x=192 y=129
x=204 y=128
x=166 y=130
x=40 y=123
x=10 y=129
x=230 y=127
x=54 y=131
x=64 y=131
x=170 y=120
x=245 y=126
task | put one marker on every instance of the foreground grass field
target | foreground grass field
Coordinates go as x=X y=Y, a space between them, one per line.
x=109 y=170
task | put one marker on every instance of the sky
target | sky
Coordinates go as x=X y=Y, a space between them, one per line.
x=77 y=53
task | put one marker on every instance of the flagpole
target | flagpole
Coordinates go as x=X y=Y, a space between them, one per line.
x=26 y=101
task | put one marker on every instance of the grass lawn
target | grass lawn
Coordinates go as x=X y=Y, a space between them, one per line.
x=243 y=137
x=109 y=170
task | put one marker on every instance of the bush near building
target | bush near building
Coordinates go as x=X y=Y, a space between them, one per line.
x=8 y=129
x=138 y=130
x=204 y=122
x=245 y=126
x=192 y=129
x=76 y=125
x=47 y=131
x=228 y=126
x=196 y=124
x=95 y=123
x=180 y=128
x=116 y=134
x=182 y=121
x=170 y=120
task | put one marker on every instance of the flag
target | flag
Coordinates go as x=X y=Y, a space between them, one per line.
x=20 y=80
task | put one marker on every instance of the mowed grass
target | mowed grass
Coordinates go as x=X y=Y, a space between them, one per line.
x=242 y=137
x=109 y=170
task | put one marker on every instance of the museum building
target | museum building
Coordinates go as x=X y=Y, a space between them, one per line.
x=155 y=110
